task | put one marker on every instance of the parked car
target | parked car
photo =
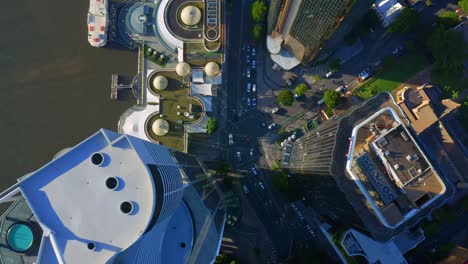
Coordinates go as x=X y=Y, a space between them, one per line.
x=398 y=51
x=249 y=85
x=254 y=171
x=321 y=101
x=251 y=152
x=246 y=190
x=272 y=126
x=341 y=89
x=253 y=51
x=238 y=154
x=253 y=64
x=274 y=110
x=248 y=101
x=364 y=75
x=261 y=185
x=248 y=73
x=231 y=139
x=254 y=87
x=328 y=74
x=254 y=101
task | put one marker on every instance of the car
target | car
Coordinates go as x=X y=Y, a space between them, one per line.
x=253 y=51
x=300 y=215
x=364 y=75
x=328 y=74
x=248 y=101
x=254 y=101
x=248 y=73
x=231 y=139
x=341 y=89
x=321 y=101
x=254 y=87
x=249 y=85
x=253 y=64
x=238 y=154
x=261 y=185
x=254 y=171
x=246 y=190
x=398 y=51
x=296 y=96
x=272 y=126
x=251 y=152
x=293 y=206
x=274 y=110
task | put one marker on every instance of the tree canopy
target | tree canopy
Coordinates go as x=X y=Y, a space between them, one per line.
x=449 y=51
x=463 y=114
x=332 y=98
x=334 y=65
x=257 y=31
x=211 y=125
x=286 y=97
x=301 y=89
x=259 y=10
x=463 y=4
x=448 y=19
x=406 y=22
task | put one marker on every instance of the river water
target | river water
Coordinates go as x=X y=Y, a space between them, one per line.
x=54 y=87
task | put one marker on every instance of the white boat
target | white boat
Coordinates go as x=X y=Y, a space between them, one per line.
x=97 y=23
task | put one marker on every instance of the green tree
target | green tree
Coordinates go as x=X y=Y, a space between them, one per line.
x=222 y=259
x=463 y=118
x=449 y=52
x=406 y=22
x=448 y=19
x=211 y=125
x=428 y=2
x=301 y=89
x=463 y=5
x=259 y=10
x=332 y=98
x=334 y=65
x=286 y=97
x=281 y=181
x=257 y=31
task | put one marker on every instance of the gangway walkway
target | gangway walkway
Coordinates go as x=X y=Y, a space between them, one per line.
x=115 y=86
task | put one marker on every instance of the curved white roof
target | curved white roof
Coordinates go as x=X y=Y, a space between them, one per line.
x=190 y=15
x=69 y=196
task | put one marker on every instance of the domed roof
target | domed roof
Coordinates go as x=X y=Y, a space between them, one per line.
x=183 y=69
x=160 y=82
x=212 y=69
x=160 y=127
x=190 y=15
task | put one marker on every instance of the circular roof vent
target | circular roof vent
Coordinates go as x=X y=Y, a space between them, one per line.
x=212 y=69
x=91 y=246
x=126 y=207
x=112 y=183
x=160 y=83
x=97 y=159
x=190 y=15
x=183 y=69
x=160 y=127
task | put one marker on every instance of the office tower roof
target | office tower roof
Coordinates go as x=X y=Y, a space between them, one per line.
x=114 y=197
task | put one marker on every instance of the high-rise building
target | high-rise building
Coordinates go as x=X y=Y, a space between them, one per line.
x=371 y=155
x=301 y=28
x=113 y=199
